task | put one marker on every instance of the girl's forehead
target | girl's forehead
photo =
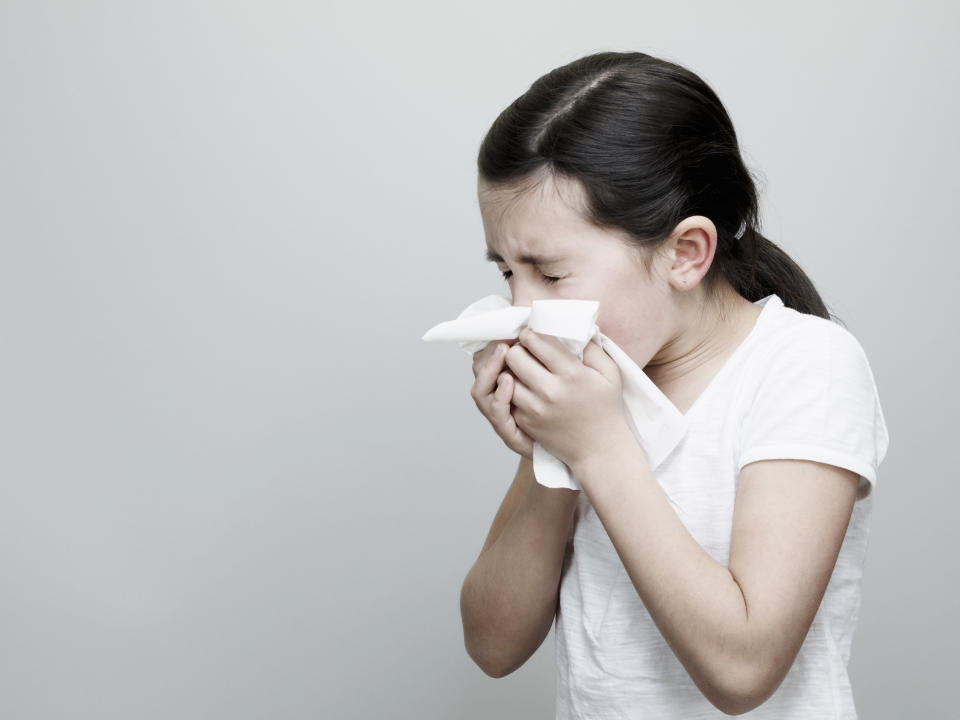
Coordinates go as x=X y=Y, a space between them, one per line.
x=532 y=216
x=542 y=188
x=531 y=233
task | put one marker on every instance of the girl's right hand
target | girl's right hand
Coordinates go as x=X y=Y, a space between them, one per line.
x=492 y=391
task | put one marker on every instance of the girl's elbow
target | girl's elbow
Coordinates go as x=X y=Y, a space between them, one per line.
x=489 y=668
x=736 y=703
x=740 y=689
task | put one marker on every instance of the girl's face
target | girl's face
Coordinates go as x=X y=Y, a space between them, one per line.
x=548 y=250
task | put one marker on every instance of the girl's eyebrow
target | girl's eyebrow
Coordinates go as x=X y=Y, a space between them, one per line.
x=528 y=259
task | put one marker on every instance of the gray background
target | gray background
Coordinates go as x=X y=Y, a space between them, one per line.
x=234 y=483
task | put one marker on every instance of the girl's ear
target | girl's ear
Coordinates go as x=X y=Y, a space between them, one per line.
x=692 y=247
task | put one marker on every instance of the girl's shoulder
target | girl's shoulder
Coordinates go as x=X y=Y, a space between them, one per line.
x=796 y=337
x=808 y=392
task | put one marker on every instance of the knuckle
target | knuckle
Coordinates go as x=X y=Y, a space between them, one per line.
x=551 y=394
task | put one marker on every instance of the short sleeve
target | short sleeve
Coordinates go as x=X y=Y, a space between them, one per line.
x=813 y=397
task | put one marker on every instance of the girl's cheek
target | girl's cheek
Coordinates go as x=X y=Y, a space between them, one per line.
x=618 y=330
x=611 y=326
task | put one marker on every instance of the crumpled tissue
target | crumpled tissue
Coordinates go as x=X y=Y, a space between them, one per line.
x=656 y=422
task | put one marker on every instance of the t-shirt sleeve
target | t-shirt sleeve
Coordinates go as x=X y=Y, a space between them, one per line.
x=814 y=398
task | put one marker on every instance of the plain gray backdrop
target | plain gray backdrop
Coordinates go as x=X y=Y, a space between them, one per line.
x=234 y=483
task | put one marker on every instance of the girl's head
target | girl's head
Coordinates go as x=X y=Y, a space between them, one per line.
x=628 y=166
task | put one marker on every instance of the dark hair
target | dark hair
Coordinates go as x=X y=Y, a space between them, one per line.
x=651 y=144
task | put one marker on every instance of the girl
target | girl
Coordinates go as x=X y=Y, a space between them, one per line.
x=727 y=579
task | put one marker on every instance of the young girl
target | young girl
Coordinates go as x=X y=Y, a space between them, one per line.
x=727 y=579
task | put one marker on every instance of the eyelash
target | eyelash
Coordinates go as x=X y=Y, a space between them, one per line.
x=546 y=278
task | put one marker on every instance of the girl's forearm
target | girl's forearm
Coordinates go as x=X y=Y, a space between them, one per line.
x=695 y=601
x=508 y=599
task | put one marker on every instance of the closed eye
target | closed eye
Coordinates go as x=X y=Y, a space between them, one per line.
x=546 y=278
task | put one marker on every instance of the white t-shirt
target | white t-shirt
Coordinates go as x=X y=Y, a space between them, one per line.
x=799 y=386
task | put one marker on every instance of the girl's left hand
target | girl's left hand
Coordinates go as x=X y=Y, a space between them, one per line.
x=573 y=409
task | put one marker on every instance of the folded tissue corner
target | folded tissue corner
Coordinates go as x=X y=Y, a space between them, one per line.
x=655 y=421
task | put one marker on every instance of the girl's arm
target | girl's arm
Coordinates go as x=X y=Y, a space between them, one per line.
x=509 y=598
x=735 y=629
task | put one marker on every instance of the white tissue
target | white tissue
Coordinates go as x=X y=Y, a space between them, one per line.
x=653 y=419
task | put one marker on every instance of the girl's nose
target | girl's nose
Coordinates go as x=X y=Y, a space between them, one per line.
x=521 y=297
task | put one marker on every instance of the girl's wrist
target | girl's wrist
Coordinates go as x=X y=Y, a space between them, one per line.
x=616 y=445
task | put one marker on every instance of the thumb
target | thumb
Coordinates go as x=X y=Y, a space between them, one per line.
x=597 y=358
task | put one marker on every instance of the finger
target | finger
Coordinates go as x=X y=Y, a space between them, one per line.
x=596 y=357
x=549 y=350
x=502 y=397
x=523 y=397
x=503 y=418
x=490 y=367
x=526 y=367
x=481 y=355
